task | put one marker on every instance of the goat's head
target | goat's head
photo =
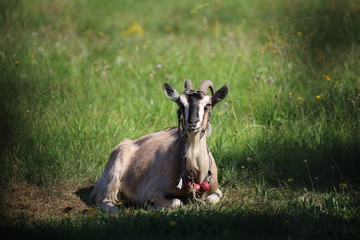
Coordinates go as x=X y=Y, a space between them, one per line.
x=195 y=105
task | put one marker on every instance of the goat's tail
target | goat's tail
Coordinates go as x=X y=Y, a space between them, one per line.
x=106 y=189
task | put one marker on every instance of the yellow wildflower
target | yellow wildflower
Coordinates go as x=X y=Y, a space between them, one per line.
x=17 y=62
x=242 y=167
x=344 y=185
x=290 y=180
x=318 y=97
x=239 y=55
x=262 y=49
x=220 y=113
x=300 y=100
x=135 y=29
x=327 y=77
x=256 y=210
x=299 y=34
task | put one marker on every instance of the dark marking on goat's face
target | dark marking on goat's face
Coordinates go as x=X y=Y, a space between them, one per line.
x=195 y=106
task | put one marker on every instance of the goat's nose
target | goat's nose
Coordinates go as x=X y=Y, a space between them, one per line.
x=193 y=121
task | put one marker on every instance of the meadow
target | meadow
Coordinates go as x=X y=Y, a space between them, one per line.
x=77 y=77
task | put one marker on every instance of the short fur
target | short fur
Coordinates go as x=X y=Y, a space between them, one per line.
x=148 y=170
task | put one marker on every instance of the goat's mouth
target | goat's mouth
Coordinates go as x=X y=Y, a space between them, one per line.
x=193 y=129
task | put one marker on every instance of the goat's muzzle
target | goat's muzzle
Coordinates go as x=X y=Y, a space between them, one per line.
x=193 y=124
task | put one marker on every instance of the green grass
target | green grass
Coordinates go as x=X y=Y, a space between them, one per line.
x=77 y=77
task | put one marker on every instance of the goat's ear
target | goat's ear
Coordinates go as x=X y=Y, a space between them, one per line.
x=171 y=92
x=219 y=95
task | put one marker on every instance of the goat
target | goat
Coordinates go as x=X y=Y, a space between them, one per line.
x=169 y=166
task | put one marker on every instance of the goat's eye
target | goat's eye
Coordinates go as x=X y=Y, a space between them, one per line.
x=208 y=106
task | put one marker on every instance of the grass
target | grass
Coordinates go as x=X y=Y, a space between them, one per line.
x=255 y=212
x=79 y=76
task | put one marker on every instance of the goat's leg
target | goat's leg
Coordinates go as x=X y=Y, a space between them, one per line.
x=161 y=200
x=106 y=190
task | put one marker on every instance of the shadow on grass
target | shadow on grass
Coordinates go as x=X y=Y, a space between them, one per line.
x=84 y=195
x=335 y=25
x=325 y=30
x=323 y=166
x=220 y=224
x=194 y=223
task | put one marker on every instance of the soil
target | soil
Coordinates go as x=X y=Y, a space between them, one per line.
x=24 y=203
x=28 y=203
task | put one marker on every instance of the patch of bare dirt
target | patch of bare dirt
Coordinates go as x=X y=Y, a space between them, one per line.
x=27 y=202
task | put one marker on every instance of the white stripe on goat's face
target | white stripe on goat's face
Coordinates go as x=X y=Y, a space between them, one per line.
x=194 y=105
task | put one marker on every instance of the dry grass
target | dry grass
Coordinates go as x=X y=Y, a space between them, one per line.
x=29 y=203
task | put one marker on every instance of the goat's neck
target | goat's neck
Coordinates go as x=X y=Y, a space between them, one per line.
x=197 y=158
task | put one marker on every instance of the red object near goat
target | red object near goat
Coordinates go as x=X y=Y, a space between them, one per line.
x=205 y=185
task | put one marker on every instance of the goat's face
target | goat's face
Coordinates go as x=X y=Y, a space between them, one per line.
x=195 y=105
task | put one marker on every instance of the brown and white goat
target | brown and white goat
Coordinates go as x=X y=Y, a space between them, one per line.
x=169 y=166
